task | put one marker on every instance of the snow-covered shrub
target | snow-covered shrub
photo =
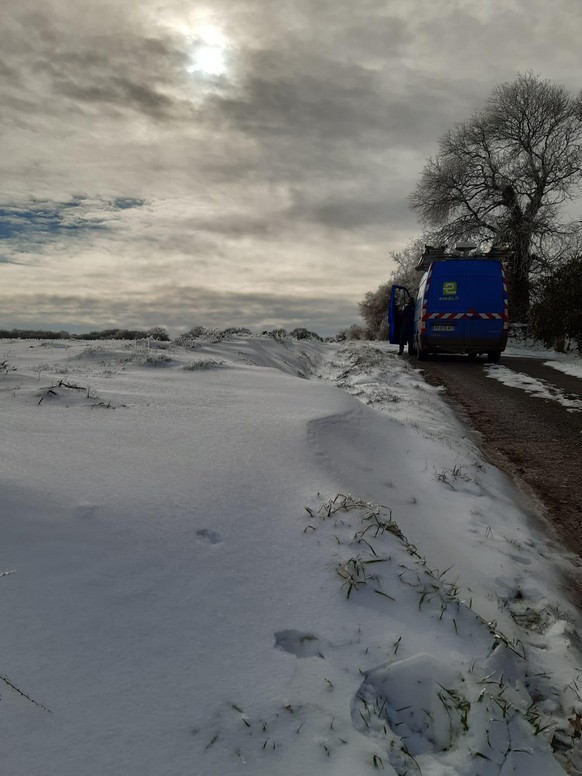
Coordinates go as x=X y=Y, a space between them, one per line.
x=518 y=333
x=374 y=309
x=556 y=315
x=354 y=332
x=145 y=357
x=198 y=335
x=196 y=332
x=233 y=330
x=305 y=334
x=203 y=363
x=276 y=334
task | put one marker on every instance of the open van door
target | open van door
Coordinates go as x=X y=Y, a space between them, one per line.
x=397 y=293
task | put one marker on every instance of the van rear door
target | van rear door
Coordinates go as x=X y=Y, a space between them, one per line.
x=446 y=304
x=465 y=305
x=485 y=320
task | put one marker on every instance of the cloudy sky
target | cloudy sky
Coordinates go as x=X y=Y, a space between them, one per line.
x=235 y=162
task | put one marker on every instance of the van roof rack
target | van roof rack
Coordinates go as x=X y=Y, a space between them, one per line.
x=461 y=251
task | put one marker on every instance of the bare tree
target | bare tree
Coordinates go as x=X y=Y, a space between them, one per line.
x=502 y=176
x=406 y=261
x=374 y=306
x=374 y=310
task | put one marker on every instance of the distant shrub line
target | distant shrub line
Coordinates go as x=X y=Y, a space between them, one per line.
x=195 y=334
x=200 y=334
x=106 y=334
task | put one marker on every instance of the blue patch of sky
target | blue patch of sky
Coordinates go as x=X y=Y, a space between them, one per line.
x=41 y=220
x=124 y=203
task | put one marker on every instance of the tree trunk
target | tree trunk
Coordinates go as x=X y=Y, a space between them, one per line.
x=518 y=230
x=517 y=278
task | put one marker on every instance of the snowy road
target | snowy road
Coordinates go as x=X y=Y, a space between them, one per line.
x=530 y=418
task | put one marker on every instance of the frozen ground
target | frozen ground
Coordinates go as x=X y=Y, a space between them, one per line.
x=187 y=592
x=569 y=363
x=536 y=387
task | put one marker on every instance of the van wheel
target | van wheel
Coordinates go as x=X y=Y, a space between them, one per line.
x=493 y=356
x=471 y=356
x=419 y=352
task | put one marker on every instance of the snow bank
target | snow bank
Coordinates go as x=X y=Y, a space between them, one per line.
x=191 y=595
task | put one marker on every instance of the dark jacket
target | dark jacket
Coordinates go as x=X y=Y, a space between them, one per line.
x=407 y=324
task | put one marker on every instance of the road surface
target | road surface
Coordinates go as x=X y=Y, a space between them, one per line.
x=538 y=441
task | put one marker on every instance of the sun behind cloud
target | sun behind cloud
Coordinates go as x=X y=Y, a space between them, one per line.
x=209 y=54
x=207 y=47
x=208 y=60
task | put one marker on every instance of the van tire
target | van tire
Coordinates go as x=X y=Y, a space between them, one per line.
x=418 y=351
x=471 y=356
x=493 y=356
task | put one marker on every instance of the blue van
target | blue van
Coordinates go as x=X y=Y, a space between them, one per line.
x=461 y=306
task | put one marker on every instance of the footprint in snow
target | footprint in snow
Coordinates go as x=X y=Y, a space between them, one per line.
x=212 y=537
x=298 y=643
x=519 y=559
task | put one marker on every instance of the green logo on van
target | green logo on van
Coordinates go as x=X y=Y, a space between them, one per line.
x=449 y=288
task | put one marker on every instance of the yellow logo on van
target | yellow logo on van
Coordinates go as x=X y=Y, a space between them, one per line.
x=449 y=288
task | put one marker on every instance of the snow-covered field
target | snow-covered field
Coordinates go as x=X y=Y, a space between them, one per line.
x=215 y=566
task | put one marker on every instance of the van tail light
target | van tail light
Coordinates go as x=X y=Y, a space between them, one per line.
x=424 y=316
x=505 y=301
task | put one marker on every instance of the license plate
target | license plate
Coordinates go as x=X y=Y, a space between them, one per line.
x=443 y=327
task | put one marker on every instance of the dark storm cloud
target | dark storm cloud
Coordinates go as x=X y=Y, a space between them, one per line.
x=381 y=39
x=236 y=226
x=292 y=87
x=359 y=207
x=117 y=91
x=356 y=213
x=7 y=72
x=186 y=308
x=302 y=105
x=256 y=310
x=336 y=101
x=96 y=66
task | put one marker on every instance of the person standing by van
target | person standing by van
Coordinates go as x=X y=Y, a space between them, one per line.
x=407 y=327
